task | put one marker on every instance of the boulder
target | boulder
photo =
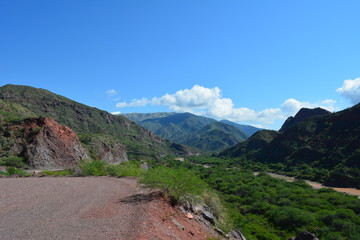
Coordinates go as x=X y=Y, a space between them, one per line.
x=304 y=235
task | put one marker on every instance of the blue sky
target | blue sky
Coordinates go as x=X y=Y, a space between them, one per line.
x=253 y=62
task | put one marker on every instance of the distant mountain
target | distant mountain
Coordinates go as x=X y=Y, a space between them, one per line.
x=138 y=117
x=249 y=130
x=216 y=136
x=303 y=114
x=201 y=132
x=326 y=145
x=87 y=122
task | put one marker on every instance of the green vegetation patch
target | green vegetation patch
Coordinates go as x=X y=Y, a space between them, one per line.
x=101 y=168
x=177 y=184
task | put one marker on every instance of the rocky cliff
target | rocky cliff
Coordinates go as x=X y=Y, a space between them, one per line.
x=43 y=142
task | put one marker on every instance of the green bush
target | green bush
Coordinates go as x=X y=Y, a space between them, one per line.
x=66 y=172
x=101 y=168
x=14 y=171
x=124 y=169
x=13 y=161
x=175 y=183
x=291 y=218
x=92 y=167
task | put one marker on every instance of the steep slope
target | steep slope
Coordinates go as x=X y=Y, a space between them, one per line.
x=216 y=137
x=249 y=130
x=139 y=142
x=42 y=142
x=253 y=144
x=327 y=147
x=303 y=114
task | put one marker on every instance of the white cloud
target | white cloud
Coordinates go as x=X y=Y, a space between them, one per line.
x=116 y=113
x=351 y=90
x=209 y=102
x=134 y=103
x=111 y=92
x=186 y=100
x=292 y=106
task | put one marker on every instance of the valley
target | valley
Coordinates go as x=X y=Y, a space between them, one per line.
x=190 y=158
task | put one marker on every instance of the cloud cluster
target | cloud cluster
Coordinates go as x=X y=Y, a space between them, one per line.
x=209 y=102
x=351 y=90
x=111 y=92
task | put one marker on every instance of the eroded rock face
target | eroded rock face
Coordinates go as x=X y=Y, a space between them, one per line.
x=107 y=148
x=51 y=145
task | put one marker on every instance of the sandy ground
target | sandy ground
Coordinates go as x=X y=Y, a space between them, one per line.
x=351 y=191
x=88 y=208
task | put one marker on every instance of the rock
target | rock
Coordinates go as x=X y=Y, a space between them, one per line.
x=208 y=216
x=106 y=148
x=187 y=206
x=305 y=235
x=189 y=216
x=219 y=231
x=51 y=145
x=144 y=166
x=177 y=224
x=235 y=235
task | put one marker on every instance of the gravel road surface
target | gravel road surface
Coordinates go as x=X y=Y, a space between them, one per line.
x=69 y=208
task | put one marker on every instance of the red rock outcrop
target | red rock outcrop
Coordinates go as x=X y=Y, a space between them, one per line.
x=51 y=145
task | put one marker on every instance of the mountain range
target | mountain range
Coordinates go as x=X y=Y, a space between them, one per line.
x=318 y=143
x=98 y=130
x=200 y=132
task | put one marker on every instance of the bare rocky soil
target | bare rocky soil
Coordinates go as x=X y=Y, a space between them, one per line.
x=89 y=208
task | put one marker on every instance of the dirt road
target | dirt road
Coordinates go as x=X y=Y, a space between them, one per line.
x=69 y=208
x=89 y=208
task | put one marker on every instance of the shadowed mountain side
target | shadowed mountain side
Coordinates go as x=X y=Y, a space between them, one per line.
x=329 y=143
x=253 y=144
x=303 y=114
x=249 y=130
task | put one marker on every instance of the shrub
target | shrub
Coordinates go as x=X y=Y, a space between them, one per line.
x=13 y=161
x=92 y=168
x=291 y=218
x=65 y=172
x=14 y=171
x=175 y=183
x=124 y=169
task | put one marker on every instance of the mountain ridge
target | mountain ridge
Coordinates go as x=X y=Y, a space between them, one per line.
x=190 y=129
x=326 y=146
x=138 y=141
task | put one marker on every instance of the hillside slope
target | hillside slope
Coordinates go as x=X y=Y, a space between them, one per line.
x=327 y=146
x=216 y=137
x=249 y=130
x=185 y=128
x=139 y=142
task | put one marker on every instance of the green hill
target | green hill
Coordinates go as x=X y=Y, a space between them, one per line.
x=196 y=131
x=139 y=142
x=251 y=146
x=324 y=148
x=216 y=137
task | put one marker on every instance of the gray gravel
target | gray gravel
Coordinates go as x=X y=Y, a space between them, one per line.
x=68 y=208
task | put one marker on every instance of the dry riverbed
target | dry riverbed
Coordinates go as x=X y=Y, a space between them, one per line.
x=351 y=191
